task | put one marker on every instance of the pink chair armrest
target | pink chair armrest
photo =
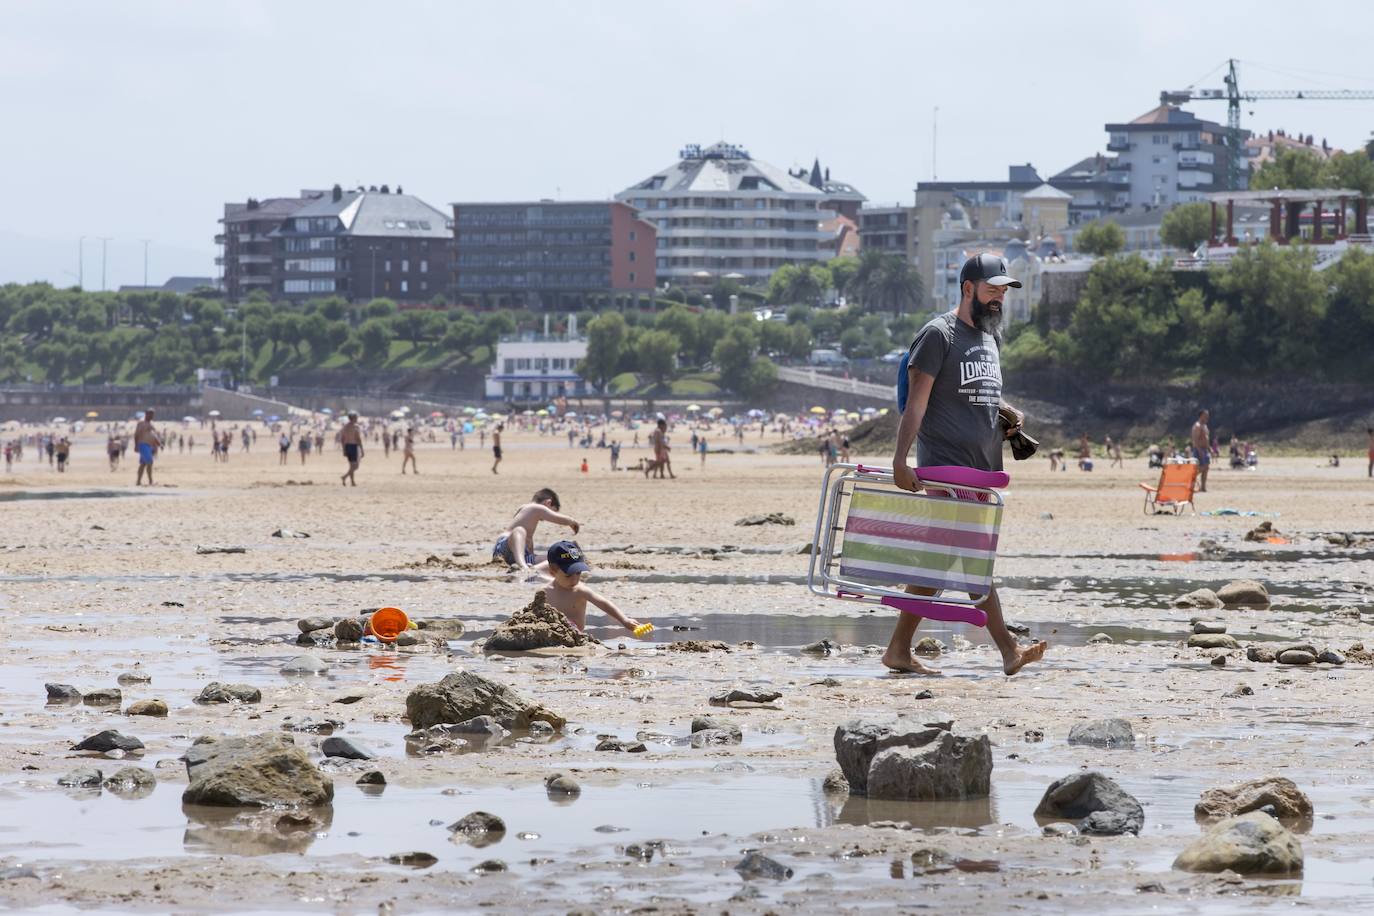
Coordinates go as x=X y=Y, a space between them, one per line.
x=964 y=477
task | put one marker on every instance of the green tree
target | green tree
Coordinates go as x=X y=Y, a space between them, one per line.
x=380 y=308
x=842 y=272
x=1100 y=239
x=1290 y=168
x=1026 y=349
x=375 y=335
x=494 y=326
x=656 y=352
x=1187 y=226
x=681 y=322
x=711 y=327
x=1349 y=170
x=732 y=355
x=605 y=340
x=1127 y=323
x=434 y=325
x=761 y=378
x=315 y=333
x=1350 y=316
x=886 y=282
x=1280 y=301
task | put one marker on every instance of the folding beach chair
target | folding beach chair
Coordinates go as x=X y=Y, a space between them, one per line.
x=873 y=537
x=1175 y=489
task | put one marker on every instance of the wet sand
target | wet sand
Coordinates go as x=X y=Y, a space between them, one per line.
x=82 y=604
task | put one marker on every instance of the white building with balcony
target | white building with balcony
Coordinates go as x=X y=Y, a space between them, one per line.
x=536 y=368
x=1169 y=156
x=721 y=214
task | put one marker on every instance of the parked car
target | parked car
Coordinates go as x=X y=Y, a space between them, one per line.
x=827 y=358
x=893 y=356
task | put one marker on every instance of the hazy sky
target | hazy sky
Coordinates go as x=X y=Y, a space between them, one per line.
x=137 y=119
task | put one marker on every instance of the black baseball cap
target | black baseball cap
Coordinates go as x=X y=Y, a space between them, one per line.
x=990 y=268
x=567 y=556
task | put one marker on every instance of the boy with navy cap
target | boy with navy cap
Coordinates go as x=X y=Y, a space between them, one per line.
x=569 y=595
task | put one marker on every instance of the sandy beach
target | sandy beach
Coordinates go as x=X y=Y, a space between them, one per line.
x=100 y=579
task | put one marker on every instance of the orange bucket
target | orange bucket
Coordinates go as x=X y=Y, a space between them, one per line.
x=387 y=623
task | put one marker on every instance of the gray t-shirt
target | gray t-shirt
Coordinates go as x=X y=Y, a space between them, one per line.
x=960 y=425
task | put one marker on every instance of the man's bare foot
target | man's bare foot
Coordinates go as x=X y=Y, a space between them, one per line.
x=1026 y=655
x=907 y=664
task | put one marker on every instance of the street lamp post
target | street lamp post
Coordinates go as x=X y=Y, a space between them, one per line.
x=145 y=261
x=81 y=262
x=104 y=241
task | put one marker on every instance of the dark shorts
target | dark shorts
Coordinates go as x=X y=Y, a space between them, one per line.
x=496 y=451
x=1203 y=456
x=351 y=452
x=502 y=551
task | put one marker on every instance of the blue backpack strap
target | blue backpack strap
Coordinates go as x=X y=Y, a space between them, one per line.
x=903 y=381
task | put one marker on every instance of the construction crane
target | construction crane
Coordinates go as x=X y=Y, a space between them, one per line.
x=1235 y=161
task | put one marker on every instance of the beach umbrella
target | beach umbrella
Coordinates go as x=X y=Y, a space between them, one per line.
x=883 y=412
x=92 y=414
x=188 y=419
x=693 y=408
x=571 y=415
x=530 y=413
x=274 y=418
x=470 y=410
x=437 y=413
x=819 y=411
x=716 y=411
x=617 y=414
x=869 y=411
x=756 y=413
x=59 y=419
x=852 y=415
x=325 y=410
x=213 y=413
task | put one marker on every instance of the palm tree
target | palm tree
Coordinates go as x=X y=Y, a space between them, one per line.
x=887 y=282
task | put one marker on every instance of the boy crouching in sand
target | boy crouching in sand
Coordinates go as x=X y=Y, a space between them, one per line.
x=570 y=596
x=516 y=545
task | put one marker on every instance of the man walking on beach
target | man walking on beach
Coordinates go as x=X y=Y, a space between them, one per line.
x=949 y=398
x=351 y=438
x=1201 y=440
x=496 y=446
x=146 y=443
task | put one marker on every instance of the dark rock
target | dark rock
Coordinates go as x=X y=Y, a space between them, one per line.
x=489 y=867
x=1209 y=626
x=1251 y=844
x=146 y=708
x=131 y=782
x=926 y=694
x=928 y=646
x=1098 y=805
x=948 y=768
x=1219 y=661
x=1212 y=641
x=1331 y=657
x=412 y=859
x=309 y=726
x=1019 y=629
x=823 y=647
x=130 y=678
x=710 y=723
x=62 y=692
x=1287 y=800
x=1202 y=598
x=756 y=865
x=109 y=740
x=1296 y=657
x=347 y=749
x=698 y=645
x=560 y=784
x=255 y=770
x=107 y=696
x=347 y=699
x=1244 y=690
x=215 y=692
x=1099 y=639
x=535 y=626
x=772 y=518
x=81 y=778
x=737 y=695
x=478 y=828
x=372 y=778
x=1259 y=654
x=1113 y=733
x=462 y=696
x=628 y=747
x=1059 y=829
x=712 y=737
x=349 y=629
x=835 y=783
x=311 y=624
x=857 y=743
x=1244 y=593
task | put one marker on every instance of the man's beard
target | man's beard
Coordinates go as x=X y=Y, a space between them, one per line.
x=985 y=319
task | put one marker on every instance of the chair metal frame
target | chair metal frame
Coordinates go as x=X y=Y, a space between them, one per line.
x=837 y=485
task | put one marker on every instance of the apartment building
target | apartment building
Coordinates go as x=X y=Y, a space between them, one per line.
x=722 y=214
x=1169 y=156
x=362 y=244
x=889 y=229
x=245 y=257
x=552 y=254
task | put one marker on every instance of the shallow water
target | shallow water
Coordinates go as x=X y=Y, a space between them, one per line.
x=25 y=495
